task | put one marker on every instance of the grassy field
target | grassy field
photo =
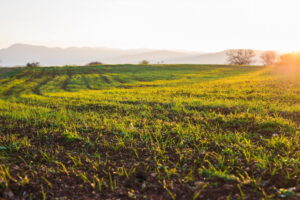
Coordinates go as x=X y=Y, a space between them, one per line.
x=149 y=132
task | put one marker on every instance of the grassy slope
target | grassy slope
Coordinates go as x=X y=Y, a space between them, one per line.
x=149 y=132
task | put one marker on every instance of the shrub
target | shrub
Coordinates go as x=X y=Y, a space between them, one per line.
x=144 y=62
x=33 y=64
x=94 y=63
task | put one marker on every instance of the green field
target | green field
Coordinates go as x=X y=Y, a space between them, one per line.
x=149 y=132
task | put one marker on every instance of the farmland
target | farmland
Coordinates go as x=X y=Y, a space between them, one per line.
x=149 y=132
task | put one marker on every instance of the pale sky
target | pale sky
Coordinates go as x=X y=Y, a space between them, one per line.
x=197 y=25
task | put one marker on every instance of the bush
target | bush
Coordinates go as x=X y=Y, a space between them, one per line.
x=144 y=62
x=94 y=63
x=33 y=64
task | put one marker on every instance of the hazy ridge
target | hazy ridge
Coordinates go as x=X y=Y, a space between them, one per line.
x=20 y=54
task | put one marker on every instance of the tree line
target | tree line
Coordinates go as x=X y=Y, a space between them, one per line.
x=247 y=57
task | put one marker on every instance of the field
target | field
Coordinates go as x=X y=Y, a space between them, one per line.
x=149 y=132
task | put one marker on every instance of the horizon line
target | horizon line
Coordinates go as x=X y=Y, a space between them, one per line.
x=138 y=48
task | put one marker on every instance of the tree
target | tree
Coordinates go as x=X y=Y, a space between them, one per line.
x=94 y=63
x=240 y=56
x=269 y=57
x=33 y=64
x=289 y=65
x=144 y=62
x=290 y=59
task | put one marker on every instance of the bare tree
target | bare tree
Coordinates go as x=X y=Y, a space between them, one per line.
x=240 y=56
x=269 y=57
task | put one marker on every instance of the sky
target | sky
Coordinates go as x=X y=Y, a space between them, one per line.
x=194 y=25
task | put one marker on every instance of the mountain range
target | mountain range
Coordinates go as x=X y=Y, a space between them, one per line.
x=20 y=54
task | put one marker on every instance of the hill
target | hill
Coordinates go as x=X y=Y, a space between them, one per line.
x=20 y=54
